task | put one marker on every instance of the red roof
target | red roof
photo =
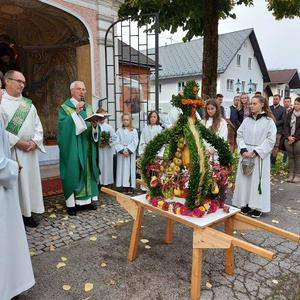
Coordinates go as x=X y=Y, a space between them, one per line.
x=282 y=76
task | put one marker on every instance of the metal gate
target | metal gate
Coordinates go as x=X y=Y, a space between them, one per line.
x=131 y=69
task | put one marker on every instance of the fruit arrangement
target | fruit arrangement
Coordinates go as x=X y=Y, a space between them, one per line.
x=184 y=170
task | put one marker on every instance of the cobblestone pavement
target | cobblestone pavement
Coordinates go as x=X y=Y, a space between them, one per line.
x=161 y=271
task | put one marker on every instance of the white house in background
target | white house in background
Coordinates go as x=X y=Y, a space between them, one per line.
x=241 y=67
x=285 y=82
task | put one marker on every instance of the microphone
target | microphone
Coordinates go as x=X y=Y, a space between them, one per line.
x=83 y=100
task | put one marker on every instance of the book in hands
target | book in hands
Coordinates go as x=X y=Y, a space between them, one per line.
x=97 y=117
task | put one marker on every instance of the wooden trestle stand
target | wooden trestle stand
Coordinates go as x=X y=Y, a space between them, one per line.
x=204 y=236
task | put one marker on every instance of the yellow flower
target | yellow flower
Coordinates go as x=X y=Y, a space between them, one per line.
x=206 y=206
x=160 y=204
x=178 y=210
x=202 y=208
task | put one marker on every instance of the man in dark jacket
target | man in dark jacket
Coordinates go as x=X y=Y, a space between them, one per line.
x=279 y=114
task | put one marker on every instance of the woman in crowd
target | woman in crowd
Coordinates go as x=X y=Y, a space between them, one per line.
x=214 y=121
x=292 y=141
x=126 y=145
x=244 y=111
x=255 y=139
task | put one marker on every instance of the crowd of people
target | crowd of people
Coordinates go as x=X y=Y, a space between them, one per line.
x=87 y=146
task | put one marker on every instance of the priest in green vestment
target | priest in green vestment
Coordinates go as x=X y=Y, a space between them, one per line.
x=78 y=150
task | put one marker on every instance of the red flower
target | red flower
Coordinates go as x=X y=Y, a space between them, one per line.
x=197 y=212
x=154 y=202
x=165 y=206
x=214 y=205
x=185 y=211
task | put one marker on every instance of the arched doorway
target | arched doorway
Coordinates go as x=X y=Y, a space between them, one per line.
x=51 y=47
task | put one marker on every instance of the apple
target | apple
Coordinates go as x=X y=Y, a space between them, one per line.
x=177 y=169
x=178 y=150
x=161 y=168
x=181 y=140
x=178 y=154
x=179 y=162
x=177 y=191
x=172 y=165
x=180 y=145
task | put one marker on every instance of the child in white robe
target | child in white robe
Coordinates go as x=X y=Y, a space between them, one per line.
x=255 y=139
x=214 y=121
x=126 y=146
x=106 y=152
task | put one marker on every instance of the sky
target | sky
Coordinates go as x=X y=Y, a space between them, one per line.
x=279 y=40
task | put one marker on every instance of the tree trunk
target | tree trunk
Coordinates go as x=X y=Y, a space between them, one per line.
x=210 y=49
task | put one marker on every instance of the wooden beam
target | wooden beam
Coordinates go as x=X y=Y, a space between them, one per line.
x=270 y=228
x=135 y=233
x=109 y=191
x=196 y=274
x=169 y=231
x=229 y=253
x=212 y=238
x=130 y=206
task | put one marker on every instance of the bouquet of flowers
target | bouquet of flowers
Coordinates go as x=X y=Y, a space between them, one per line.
x=105 y=139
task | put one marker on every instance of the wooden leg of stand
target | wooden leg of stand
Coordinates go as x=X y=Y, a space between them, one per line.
x=229 y=253
x=134 y=241
x=169 y=231
x=196 y=274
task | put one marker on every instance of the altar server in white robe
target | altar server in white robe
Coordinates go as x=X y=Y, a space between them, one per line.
x=152 y=129
x=26 y=139
x=126 y=146
x=214 y=121
x=106 y=152
x=16 y=275
x=255 y=139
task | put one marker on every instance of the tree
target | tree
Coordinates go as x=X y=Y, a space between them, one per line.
x=200 y=18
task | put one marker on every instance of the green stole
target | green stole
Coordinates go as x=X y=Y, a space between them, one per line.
x=83 y=164
x=20 y=115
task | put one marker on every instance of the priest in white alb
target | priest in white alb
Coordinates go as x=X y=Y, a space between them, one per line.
x=25 y=133
x=16 y=275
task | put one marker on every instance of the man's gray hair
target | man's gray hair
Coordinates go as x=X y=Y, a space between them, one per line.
x=10 y=73
x=73 y=84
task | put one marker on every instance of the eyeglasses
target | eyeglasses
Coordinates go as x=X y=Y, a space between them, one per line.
x=18 y=81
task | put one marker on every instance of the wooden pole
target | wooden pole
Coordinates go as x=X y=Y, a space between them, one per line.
x=229 y=253
x=281 y=232
x=136 y=228
x=169 y=231
x=196 y=274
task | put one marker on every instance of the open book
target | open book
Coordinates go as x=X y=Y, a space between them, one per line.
x=97 y=117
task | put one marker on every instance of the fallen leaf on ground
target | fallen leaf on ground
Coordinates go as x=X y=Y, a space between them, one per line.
x=275 y=281
x=103 y=265
x=208 y=285
x=72 y=226
x=58 y=206
x=103 y=205
x=93 y=238
x=112 y=282
x=281 y=189
x=32 y=253
x=63 y=258
x=50 y=210
x=148 y=247
x=142 y=226
x=275 y=221
x=60 y=265
x=88 y=287
x=70 y=232
x=52 y=216
x=144 y=241
x=153 y=216
x=243 y=233
x=52 y=248
x=66 y=287
x=65 y=218
x=114 y=237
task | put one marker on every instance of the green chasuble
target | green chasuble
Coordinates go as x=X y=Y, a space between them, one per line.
x=78 y=154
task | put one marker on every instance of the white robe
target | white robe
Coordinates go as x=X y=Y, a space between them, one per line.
x=29 y=183
x=222 y=132
x=16 y=275
x=106 y=156
x=258 y=135
x=126 y=166
x=148 y=133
